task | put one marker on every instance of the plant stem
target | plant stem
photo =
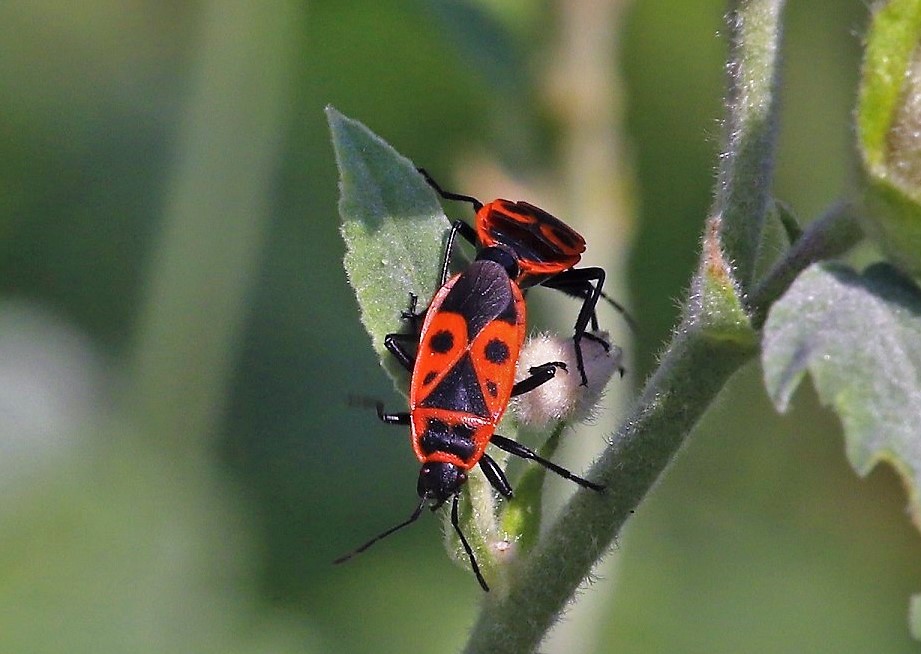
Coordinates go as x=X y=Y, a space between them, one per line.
x=694 y=370
x=746 y=167
x=829 y=236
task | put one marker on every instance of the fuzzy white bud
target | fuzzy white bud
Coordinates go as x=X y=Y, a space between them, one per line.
x=563 y=397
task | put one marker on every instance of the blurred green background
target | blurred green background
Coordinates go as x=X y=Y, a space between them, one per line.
x=177 y=338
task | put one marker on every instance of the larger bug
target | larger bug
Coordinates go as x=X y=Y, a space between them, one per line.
x=463 y=375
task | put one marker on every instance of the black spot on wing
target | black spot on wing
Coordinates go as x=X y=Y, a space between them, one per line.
x=442 y=341
x=458 y=390
x=497 y=351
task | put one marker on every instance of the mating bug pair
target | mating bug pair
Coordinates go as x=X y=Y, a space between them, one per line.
x=463 y=368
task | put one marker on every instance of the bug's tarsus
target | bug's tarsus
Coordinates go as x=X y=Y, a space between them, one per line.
x=399 y=418
x=538 y=375
x=412 y=316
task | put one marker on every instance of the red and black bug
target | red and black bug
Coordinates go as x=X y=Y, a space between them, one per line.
x=463 y=375
x=546 y=250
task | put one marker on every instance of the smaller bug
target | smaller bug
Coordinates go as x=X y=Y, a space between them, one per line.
x=546 y=249
x=463 y=375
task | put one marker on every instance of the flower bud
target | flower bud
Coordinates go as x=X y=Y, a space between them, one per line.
x=563 y=397
x=889 y=132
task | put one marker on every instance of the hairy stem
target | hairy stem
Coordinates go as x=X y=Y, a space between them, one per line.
x=746 y=167
x=829 y=236
x=692 y=373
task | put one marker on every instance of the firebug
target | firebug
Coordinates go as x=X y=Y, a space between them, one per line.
x=463 y=376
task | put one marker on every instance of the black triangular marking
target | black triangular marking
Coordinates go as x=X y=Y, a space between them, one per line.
x=459 y=390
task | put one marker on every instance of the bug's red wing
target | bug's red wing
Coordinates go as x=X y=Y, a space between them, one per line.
x=442 y=344
x=494 y=352
x=468 y=349
x=543 y=244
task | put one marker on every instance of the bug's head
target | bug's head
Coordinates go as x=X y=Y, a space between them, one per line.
x=439 y=481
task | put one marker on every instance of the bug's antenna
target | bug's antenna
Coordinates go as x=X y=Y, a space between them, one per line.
x=415 y=516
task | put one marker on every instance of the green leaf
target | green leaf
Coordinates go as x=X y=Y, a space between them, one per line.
x=781 y=229
x=859 y=337
x=888 y=130
x=891 y=45
x=394 y=230
x=788 y=220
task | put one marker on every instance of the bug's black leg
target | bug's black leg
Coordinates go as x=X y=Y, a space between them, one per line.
x=401 y=418
x=467 y=548
x=395 y=344
x=477 y=205
x=495 y=476
x=573 y=278
x=538 y=375
x=411 y=315
x=572 y=283
x=588 y=275
x=513 y=447
x=398 y=343
x=622 y=310
x=458 y=226
x=465 y=230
